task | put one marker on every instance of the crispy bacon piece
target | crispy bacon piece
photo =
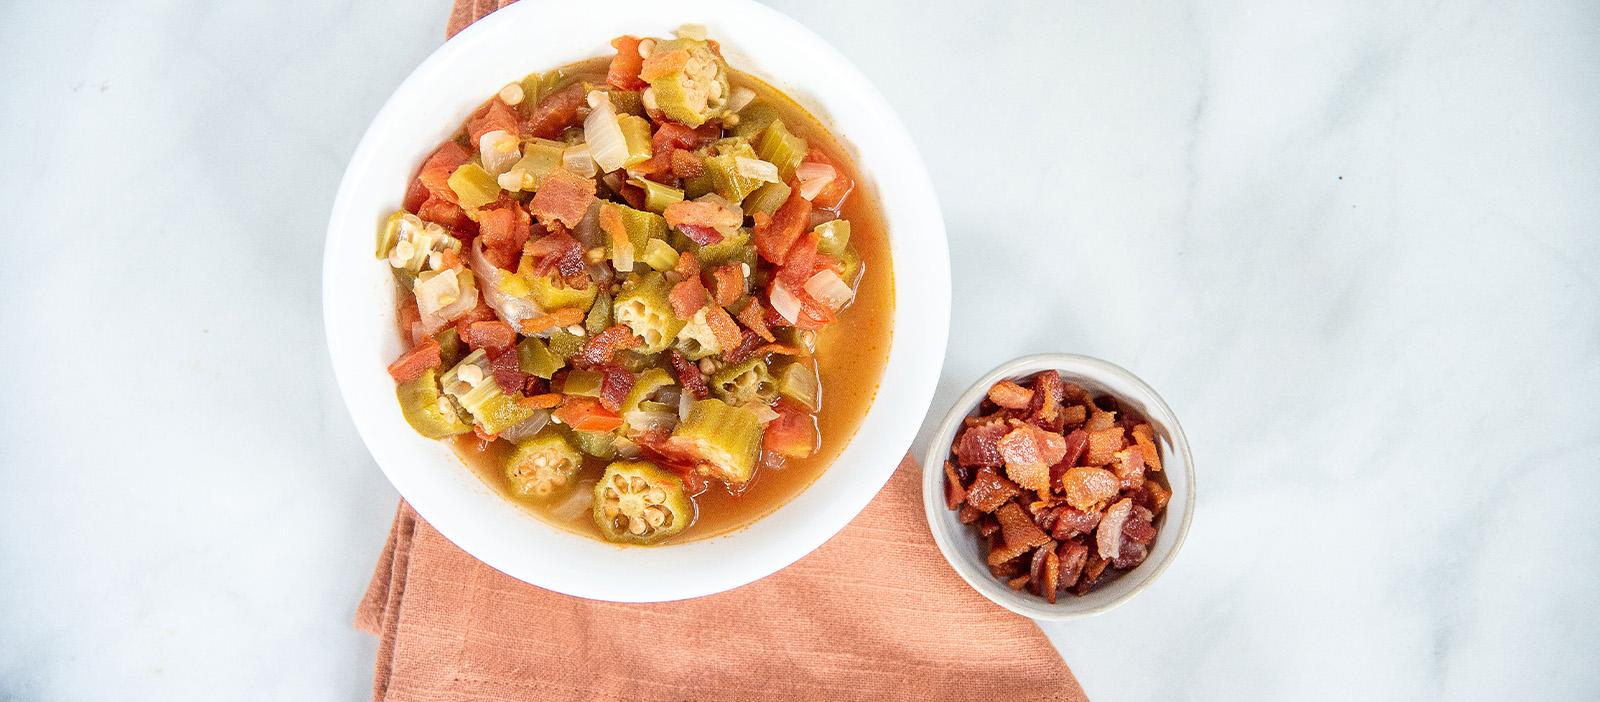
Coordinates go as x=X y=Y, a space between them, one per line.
x=979 y=445
x=1145 y=438
x=709 y=215
x=492 y=335
x=624 y=70
x=507 y=371
x=602 y=348
x=1091 y=573
x=954 y=493
x=1108 y=536
x=1138 y=528
x=1045 y=404
x=775 y=235
x=1071 y=521
x=1075 y=414
x=689 y=375
x=556 y=112
x=493 y=115
x=564 y=317
x=541 y=401
x=754 y=317
x=563 y=197
x=703 y=236
x=615 y=384
x=413 y=363
x=745 y=350
x=967 y=514
x=727 y=283
x=687 y=297
x=1029 y=452
x=989 y=490
x=1010 y=395
x=1073 y=555
x=1152 y=496
x=1050 y=581
x=688 y=265
x=556 y=251
x=723 y=327
x=1086 y=487
x=1018 y=534
x=1128 y=465
x=482 y=313
x=1103 y=446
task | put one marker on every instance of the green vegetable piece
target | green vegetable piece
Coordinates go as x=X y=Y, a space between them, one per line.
x=553 y=293
x=635 y=362
x=542 y=466
x=636 y=502
x=599 y=315
x=389 y=232
x=697 y=186
x=660 y=255
x=582 y=382
x=424 y=238
x=699 y=90
x=421 y=404
x=727 y=438
x=648 y=383
x=449 y=346
x=721 y=168
x=564 y=344
x=540 y=157
x=535 y=358
x=646 y=311
x=696 y=340
x=852 y=267
x=833 y=237
x=766 y=199
x=493 y=411
x=626 y=102
x=732 y=248
x=657 y=196
x=538 y=86
x=797 y=380
x=754 y=118
x=600 y=444
x=778 y=146
x=744 y=383
x=473 y=186
x=641 y=228
x=636 y=134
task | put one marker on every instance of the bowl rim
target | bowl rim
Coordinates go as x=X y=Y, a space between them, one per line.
x=889 y=162
x=1024 y=603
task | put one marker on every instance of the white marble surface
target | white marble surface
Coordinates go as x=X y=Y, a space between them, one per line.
x=1354 y=244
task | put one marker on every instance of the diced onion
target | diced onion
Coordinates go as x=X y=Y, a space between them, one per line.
x=527 y=427
x=603 y=134
x=827 y=288
x=436 y=290
x=578 y=159
x=576 y=503
x=621 y=253
x=740 y=98
x=692 y=31
x=784 y=302
x=755 y=168
x=813 y=178
x=764 y=413
x=512 y=310
x=465 y=300
x=648 y=421
x=685 y=401
x=499 y=151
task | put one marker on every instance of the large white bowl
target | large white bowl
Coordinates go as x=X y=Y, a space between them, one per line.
x=358 y=294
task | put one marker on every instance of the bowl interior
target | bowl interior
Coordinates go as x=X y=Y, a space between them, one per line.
x=961 y=544
x=358 y=297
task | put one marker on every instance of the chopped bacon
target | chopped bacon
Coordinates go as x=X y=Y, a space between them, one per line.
x=744 y=351
x=954 y=493
x=1010 y=395
x=727 y=283
x=800 y=262
x=704 y=236
x=492 y=335
x=624 y=70
x=684 y=164
x=413 y=363
x=1145 y=438
x=445 y=213
x=753 y=317
x=1138 y=528
x=689 y=375
x=979 y=446
x=834 y=193
x=603 y=347
x=563 y=197
x=989 y=490
x=701 y=214
x=1071 y=522
x=552 y=251
x=435 y=172
x=1128 y=465
x=556 y=112
x=688 y=265
x=776 y=234
x=1029 y=452
x=779 y=349
x=564 y=317
x=503 y=229
x=1045 y=404
x=507 y=371
x=482 y=313
x=1018 y=533
x=495 y=115
x=687 y=297
x=615 y=384
x=722 y=326
x=1073 y=554
x=1103 y=446
x=1108 y=535
x=1152 y=496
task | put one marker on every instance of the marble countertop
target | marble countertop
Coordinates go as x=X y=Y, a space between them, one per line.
x=1355 y=245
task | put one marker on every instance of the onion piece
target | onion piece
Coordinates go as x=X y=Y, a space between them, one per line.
x=579 y=159
x=603 y=134
x=764 y=413
x=621 y=252
x=646 y=422
x=576 y=503
x=512 y=310
x=784 y=302
x=813 y=178
x=739 y=98
x=499 y=151
x=466 y=300
x=829 y=289
x=755 y=168
x=685 y=401
x=527 y=427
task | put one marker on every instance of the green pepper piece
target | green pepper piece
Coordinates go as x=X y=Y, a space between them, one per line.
x=766 y=199
x=421 y=404
x=744 y=383
x=473 y=186
x=644 y=308
x=582 y=383
x=564 y=343
x=723 y=171
x=636 y=362
x=636 y=502
x=449 y=346
x=543 y=465
x=754 y=118
x=538 y=86
x=600 y=444
x=536 y=359
x=636 y=135
x=696 y=92
x=650 y=381
x=797 y=380
x=599 y=315
x=833 y=237
x=778 y=146
x=657 y=196
x=659 y=255
x=727 y=438
x=731 y=248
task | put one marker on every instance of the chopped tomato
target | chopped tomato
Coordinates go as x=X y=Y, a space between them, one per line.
x=543 y=401
x=435 y=172
x=445 y=213
x=586 y=414
x=833 y=194
x=503 y=228
x=411 y=320
x=416 y=194
x=680 y=136
x=493 y=335
x=624 y=70
x=496 y=115
x=799 y=261
x=411 y=364
x=793 y=433
x=776 y=234
x=556 y=112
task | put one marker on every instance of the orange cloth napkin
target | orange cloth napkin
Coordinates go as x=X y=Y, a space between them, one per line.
x=874 y=614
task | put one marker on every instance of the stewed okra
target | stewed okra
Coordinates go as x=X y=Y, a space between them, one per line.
x=618 y=282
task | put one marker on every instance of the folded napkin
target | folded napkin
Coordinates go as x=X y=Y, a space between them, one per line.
x=874 y=614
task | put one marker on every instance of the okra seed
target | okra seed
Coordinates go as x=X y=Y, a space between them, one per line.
x=636 y=526
x=511 y=94
x=645 y=47
x=575 y=330
x=705 y=365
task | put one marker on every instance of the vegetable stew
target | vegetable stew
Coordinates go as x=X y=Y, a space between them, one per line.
x=624 y=286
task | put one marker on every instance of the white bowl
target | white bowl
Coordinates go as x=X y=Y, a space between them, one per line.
x=960 y=542
x=358 y=295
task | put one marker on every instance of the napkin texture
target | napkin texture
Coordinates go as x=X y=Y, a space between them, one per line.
x=874 y=614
